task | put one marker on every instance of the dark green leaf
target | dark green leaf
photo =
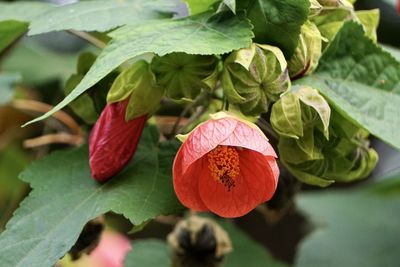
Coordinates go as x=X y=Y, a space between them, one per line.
x=10 y=31
x=100 y=15
x=65 y=197
x=362 y=81
x=277 y=22
x=353 y=228
x=193 y=35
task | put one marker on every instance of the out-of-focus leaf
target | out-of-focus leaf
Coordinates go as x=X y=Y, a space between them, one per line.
x=246 y=252
x=148 y=253
x=7 y=86
x=10 y=31
x=101 y=15
x=356 y=227
x=22 y=11
x=362 y=81
x=193 y=35
x=65 y=197
x=37 y=64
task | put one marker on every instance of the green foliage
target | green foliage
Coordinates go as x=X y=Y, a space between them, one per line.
x=246 y=252
x=362 y=82
x=277 y=22
x=64 y=198
x=148 y=253
x=38 y=64
x=100 y=15
x=199 y=6
x=203 y=34
x=10 y=31
x=357 y=227
x=23 y=11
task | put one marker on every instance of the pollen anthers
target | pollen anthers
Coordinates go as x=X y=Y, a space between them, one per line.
x=224 y=165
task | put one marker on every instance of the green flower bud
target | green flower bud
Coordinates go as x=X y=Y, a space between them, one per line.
x=139 y=84
x=255 y=77
x=318 y=147
x=184 y=75
x=298 y=110
x=308 y=51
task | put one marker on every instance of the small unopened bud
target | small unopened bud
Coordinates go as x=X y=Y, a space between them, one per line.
x=308 y=51
x=113 y=141
x=184 y=75
x=254 y=77
x=198 y=242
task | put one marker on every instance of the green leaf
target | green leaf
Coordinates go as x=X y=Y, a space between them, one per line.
x=38 y=64
x=356 y=227
x=362 y=81
x=148 y=253
x=231 y=4
x=277 y=22
x=7 y=86
x=199 y=6
x=370 y=20
x=246 y=251
x=192 y=35
x=10 y=31
x=100 y=15
x=22 y=11
x=65 y=197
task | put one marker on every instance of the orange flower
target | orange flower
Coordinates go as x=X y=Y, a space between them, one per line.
x=225 y=165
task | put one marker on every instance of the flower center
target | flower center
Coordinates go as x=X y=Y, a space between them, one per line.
x=223 y=162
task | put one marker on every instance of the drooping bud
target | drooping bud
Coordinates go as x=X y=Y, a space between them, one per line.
x=113 y=141
x=198 y=242
x=308 y=51
x=316 y=144
x=254 y=77
x=139 y=84
x=184 y=75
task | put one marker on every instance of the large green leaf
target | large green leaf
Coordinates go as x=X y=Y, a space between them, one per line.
x=100 y=15
x=10 y=31
x=65 y=197
x=22 y=11
x=362 y=81
x=277 y=22
x=193 y=35
x=357 y=227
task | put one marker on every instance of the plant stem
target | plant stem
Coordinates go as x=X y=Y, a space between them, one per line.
x=89 y=38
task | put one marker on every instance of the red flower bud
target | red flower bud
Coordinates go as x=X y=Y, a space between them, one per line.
x=113 y=141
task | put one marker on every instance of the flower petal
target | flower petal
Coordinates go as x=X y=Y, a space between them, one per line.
x=249 y=137
x=186 y=183
x=255 y=184
x=205 y=138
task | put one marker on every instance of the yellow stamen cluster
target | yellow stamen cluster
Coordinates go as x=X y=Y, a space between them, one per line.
x=224 y=165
